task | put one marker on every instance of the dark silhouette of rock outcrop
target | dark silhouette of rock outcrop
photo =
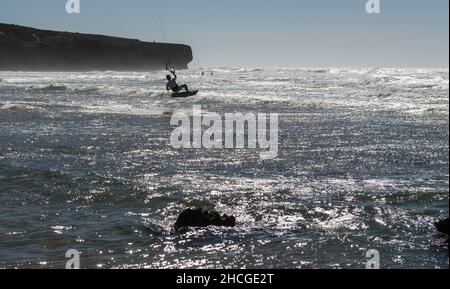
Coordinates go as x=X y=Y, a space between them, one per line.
x=443 y=226
x=24 y=48
x=203 y=218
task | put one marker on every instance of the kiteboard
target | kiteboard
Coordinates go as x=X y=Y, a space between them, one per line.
x=184 y=94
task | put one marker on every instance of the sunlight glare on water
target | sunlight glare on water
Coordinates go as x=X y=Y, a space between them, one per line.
x=86 y=163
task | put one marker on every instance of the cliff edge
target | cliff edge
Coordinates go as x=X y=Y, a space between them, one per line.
x=24 y=48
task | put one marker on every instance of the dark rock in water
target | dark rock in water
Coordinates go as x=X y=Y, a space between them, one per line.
x=203 y=218
x=443 y=226
x=24 y=48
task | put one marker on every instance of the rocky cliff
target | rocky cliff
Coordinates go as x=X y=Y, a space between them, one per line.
x=24 y=48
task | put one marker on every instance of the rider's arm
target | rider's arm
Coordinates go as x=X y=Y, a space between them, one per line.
x=174 y=75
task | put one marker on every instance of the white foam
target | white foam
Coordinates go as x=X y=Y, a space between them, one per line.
x=413 y=91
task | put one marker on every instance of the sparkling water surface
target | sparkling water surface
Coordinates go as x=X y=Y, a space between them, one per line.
x=86 y=164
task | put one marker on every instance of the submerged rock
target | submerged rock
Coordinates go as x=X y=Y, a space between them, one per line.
x=203 y=218
x=443 y=226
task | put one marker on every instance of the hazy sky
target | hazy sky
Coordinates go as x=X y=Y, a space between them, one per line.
x=263 y=33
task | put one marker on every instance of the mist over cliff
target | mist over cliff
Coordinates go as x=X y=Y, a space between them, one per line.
x=24 y=48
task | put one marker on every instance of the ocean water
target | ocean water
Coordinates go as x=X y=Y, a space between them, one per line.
x=86 y=164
